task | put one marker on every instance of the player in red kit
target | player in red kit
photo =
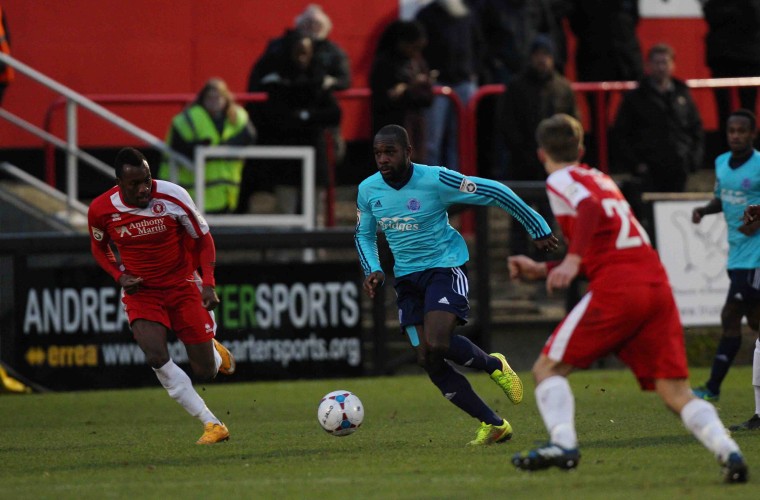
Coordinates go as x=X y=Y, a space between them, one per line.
x=162 y=240
x=629 y=309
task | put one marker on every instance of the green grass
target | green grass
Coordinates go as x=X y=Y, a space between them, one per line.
x=139 y=444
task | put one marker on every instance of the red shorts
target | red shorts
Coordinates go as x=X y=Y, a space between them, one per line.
x=639 y=323
x=179 y=309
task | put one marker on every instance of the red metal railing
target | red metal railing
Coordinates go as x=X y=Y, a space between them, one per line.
x=466 y=116
x=184 y=99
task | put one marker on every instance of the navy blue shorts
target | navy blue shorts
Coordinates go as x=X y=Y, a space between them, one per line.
x=745 y=285
x=437 y=289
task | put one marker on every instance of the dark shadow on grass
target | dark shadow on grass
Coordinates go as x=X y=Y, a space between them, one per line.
x=638 y=442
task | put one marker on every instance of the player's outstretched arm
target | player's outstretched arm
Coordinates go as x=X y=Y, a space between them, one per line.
x=547 y=244
x=523 y=267
x=456 y=188
x=561 y=276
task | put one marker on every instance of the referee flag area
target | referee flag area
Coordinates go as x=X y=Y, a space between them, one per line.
x=137 y=443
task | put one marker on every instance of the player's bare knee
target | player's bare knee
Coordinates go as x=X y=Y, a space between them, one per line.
x=203 y=371
x=156 y=359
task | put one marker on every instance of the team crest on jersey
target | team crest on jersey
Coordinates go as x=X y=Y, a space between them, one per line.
x=97 y=233
x=413 y=205
x=158 y=208
x=467 y=186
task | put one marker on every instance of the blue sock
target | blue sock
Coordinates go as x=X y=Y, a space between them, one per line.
x=727 y=349
x=464 y=352
x=456 y=388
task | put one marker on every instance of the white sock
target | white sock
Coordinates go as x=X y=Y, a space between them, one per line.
x=217 y=359
x=180 y=388
x=756 y=376
x=556 y=404
x=702 y=420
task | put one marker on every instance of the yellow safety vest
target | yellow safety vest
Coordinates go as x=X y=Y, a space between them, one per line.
x=223 y=176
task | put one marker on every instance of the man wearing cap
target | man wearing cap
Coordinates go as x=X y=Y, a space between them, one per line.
x=539 y=92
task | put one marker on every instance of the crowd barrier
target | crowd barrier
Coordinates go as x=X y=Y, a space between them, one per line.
x=466 y=115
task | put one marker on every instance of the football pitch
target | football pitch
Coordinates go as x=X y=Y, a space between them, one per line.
x=140 y=444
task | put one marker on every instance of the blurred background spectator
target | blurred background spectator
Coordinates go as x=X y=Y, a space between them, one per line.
x=6 y=72
x=298 y=112
x=658 y=130
x=507 y=28
x=548 y=18
x=537 y=93
x=401 y=84
x=732 y=49
x=212 y=119
x=607 y=48
x=331 y=58
x=454 y=51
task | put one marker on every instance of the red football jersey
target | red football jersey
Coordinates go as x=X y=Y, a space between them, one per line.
x=151 y=241
x=620 y=251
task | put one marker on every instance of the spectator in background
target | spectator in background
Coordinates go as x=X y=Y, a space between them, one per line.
x=213 y=119
x=658 y=130
x=454 y=51
x=607 y=48
x=507 y=27
x=299 y=111
x=6 y=72
x=537 y=93
x=400 y=80
x=733 y=49
x=548 y=18
x=332 y=60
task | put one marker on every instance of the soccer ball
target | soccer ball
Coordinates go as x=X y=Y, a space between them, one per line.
x=340 y=413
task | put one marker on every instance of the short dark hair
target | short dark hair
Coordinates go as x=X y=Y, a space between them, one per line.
x=128 y=156
x=561 y=137
x=745 y=113
x=661 y=48
x=398 y=133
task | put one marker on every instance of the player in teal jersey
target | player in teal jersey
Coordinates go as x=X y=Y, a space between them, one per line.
x=737 y=185
x=408 y=202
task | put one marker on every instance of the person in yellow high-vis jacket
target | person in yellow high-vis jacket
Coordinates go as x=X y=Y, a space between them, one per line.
x=6 y=71
x=212 y=119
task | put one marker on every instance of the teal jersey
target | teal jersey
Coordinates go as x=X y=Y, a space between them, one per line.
x=415 y=221
x=736 y=189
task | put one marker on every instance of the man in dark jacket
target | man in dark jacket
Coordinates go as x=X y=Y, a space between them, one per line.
x=454 y=51
x=732 y=46
x=537 y=93
x=658 y=129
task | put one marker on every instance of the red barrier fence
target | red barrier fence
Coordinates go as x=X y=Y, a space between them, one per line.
x=467 y=115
